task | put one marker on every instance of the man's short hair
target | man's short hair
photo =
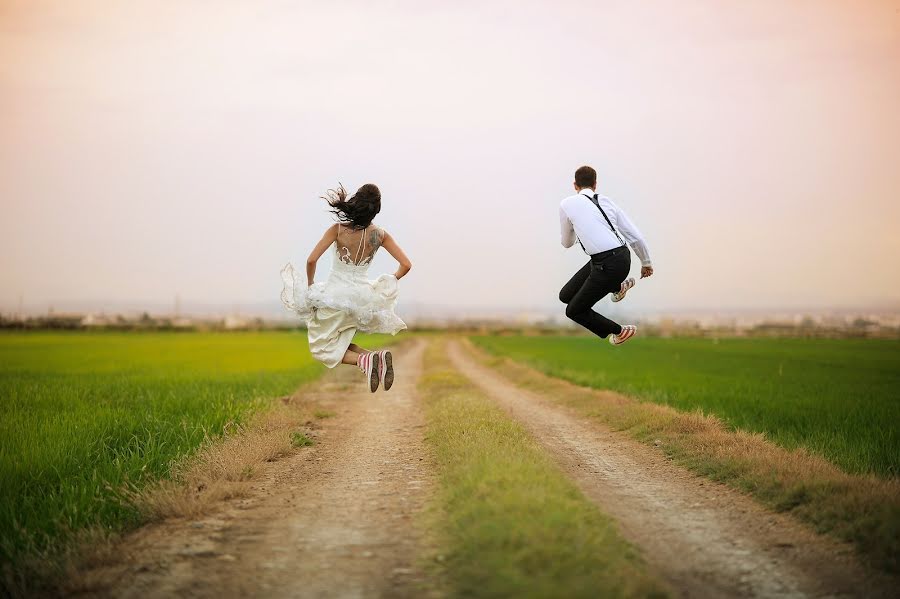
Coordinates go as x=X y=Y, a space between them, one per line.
x=585 y=176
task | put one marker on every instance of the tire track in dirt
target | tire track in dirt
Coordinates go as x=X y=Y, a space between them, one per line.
x=334 y=520
x=704 y=539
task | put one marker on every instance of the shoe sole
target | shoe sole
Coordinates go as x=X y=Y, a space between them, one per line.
x=373 y=373
x=618 y=298
x=388 y=370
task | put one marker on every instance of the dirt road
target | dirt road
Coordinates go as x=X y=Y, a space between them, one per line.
x=340 y=518
x=335 y=520
x=704 y=539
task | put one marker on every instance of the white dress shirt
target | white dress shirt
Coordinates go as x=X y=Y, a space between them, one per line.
x=579 y=219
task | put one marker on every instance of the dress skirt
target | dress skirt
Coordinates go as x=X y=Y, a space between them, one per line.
x=335 y=310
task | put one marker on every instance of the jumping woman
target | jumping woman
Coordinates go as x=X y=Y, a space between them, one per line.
x=348 y=302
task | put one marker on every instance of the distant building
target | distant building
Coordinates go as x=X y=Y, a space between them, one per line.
x=235 y=322
x=97 y=320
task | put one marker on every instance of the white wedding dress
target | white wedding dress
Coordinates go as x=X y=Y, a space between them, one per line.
x=347 y=301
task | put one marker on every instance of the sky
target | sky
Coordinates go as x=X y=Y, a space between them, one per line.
x=153 y=149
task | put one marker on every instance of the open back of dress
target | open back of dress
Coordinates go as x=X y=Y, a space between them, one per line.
x=358 y=246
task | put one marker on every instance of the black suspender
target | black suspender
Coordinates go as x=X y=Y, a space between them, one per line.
x=608 y=222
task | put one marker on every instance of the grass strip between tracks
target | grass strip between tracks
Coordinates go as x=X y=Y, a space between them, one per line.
x=508 y=522
x=861 y=509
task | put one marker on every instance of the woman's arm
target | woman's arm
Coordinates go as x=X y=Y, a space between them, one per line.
x=327 y=239
x=394 y=250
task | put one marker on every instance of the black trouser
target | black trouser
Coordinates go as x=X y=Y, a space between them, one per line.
x=602 y=274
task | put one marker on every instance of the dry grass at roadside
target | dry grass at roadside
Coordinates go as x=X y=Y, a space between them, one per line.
x=864 y=510
x=222 y=468
x=508 y=522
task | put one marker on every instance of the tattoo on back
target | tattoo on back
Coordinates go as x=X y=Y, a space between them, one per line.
x=375 y=238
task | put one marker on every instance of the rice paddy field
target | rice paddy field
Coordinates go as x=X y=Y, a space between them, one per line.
x=837 y=398
x=82 y=415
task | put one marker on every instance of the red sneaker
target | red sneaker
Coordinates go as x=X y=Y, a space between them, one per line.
x=370 y=364
x=628 y=331
x=626 y=285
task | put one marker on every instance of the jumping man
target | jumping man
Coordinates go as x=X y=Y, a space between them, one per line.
x=602 y=229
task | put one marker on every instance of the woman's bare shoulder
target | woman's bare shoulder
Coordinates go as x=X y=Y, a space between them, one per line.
x=377 y=235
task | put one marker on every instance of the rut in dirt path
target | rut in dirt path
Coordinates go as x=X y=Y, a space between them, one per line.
x=335 y=520
x=704 y=539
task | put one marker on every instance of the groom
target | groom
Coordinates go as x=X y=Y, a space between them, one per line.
x=602 y=229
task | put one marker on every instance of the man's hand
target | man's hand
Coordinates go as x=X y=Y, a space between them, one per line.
x=646 y=271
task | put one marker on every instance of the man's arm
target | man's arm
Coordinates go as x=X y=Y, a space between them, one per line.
x=567 y=231
x=633 y=237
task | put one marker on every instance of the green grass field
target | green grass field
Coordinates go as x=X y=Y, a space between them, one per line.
x=838 y=398
x=82 y=414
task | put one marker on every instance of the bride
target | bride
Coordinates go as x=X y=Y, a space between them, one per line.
x=348 y=301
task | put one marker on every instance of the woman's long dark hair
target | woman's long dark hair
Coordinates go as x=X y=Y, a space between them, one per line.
x=357 y=211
